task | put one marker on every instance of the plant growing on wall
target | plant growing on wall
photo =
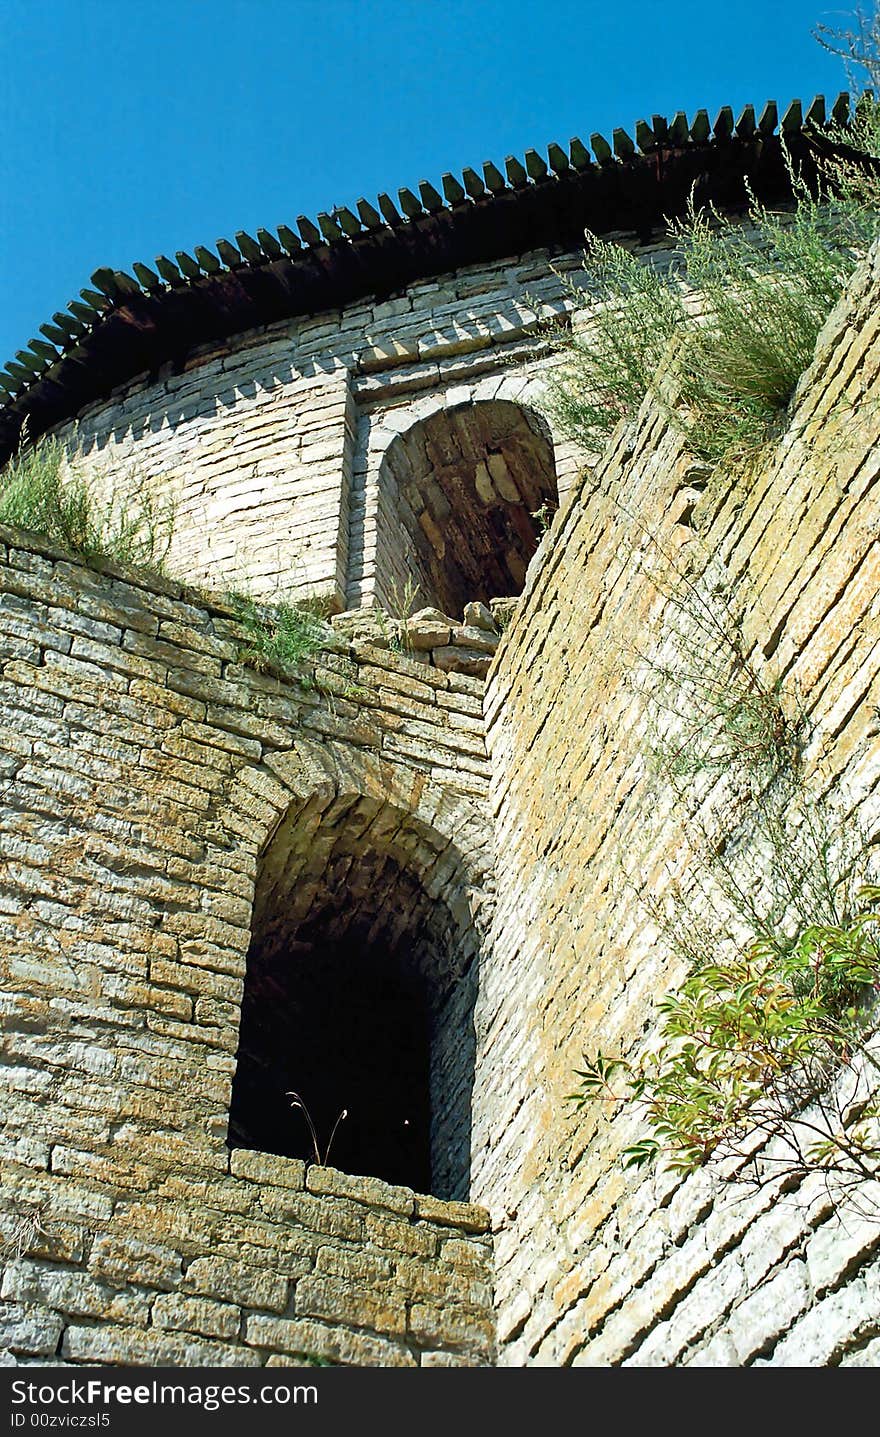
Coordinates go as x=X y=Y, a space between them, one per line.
x=277 y=635
x=764 y=1053
x=709 y=705
x=733 y=317
x=321 y=1158
x=766 y=1049
x=733 y=313
x=39 y=491
x=392 y=621
x=774 y=1042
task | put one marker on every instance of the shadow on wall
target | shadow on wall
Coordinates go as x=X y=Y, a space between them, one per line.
x=359 y=995
x=168 y=412
x=464 y=486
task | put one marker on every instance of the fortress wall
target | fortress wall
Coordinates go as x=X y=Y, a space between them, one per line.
x=596 y=1266
x=146 y=772
x=144 y=769
x=248 y=458
x=268 y=449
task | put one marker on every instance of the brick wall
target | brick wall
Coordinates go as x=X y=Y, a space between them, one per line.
x=268 y=450
x=594 y=1266
x=147 y=776
x=144 y=770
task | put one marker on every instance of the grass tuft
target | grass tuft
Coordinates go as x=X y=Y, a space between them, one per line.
x=732 y=320
x=39 y=492
x=280 y=635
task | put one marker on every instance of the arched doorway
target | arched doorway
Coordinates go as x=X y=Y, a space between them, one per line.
x=463 y=487
x=359 y=995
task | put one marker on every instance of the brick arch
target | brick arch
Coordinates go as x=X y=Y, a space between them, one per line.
x=369 y=913
x=456 y=487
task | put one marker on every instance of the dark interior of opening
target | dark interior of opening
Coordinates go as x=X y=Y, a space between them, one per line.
x=469 y=482
x=358 y=998
x=347 y=1033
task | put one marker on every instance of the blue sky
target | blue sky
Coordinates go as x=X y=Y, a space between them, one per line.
x=132 y=127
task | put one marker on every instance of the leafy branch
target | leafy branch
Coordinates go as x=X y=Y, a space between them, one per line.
x=759 y=1043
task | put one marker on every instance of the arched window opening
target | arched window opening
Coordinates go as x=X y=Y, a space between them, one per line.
x=466 y=484
x=359 y=996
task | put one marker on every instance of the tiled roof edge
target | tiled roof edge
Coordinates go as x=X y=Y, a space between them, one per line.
x=70 y=342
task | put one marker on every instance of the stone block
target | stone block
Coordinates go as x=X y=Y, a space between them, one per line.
x=267 y=1169
x=310 y=1339
x=473 y=663
x=121 y=1261
x=827 y=1330
x=113 y=1346
x=480 y=616
x=770 y=1237
x=73 y=1292
x=351 y=1304
x=842 y=1244
x=370 y=1191
x=464 y=1215
x=196 y=1314
x=356 y=1265
x=439 y=1284
x=387 y=352
x=238 y=1283
x=29 y=1329
x=701 y=1309
x=32 y=1235
x=446 y=1327
x=423 y=634
x=323 y=1216
x=468 y=1255
x=448 y=1359
x=475 y=638
x=867 y=1356
x=718 y=1352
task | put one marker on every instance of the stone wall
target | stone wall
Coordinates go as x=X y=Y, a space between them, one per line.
x=593 y=1265
x=269 y=450
x=146 y=772
x=175 y=825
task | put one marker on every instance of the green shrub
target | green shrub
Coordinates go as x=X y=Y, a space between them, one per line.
x=767 y=291
x=763 y=290
x=746 y=1044
x=38 y=493
x=280 y=635
x=609 y=362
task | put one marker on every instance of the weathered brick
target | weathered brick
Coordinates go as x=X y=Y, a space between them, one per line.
x=28 y=1329
x=136 y=1347
x=841 y=1320
x=196 y=1314
x=336 y=1344
x=759 y=1321
x=238 y=1283
x=366 y=1190
x=267 y=1168
x=124 y=1260
x=466 y=1216
x=350 y=1303
x=843 y=1244
x=73 y=1292
x=433 y=1326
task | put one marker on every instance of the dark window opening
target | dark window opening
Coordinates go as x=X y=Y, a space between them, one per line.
x=346 y=1037
x=359 y=997
x=471 y=487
